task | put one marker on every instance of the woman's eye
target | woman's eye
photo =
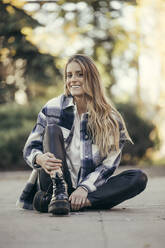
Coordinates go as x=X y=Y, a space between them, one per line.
x=77 y=75
x=69 y=75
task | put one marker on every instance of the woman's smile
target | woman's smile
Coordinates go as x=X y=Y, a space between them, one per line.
x=75 y=79
x=75 y=86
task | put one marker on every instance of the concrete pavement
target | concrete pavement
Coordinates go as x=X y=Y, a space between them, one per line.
x=137 y=223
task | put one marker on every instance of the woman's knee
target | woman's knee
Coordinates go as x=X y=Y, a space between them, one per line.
x=141 y=179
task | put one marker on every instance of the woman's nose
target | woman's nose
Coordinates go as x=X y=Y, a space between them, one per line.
x=74 y=77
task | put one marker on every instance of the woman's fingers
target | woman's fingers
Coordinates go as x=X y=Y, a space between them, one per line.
x=78 y=198
x=54 y=164
x=76 y=203
x=52 y=167
x=50 y=155
x=83 y=202
x=54 y=160
x=49 y=162
x=47 y=171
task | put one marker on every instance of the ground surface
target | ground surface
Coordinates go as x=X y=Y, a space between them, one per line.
x=137 y=223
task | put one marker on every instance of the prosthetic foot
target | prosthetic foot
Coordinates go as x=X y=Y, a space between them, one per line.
x=59 y=203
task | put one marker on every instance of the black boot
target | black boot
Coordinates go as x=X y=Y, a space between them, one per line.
x=41 y=201
x=59 y=203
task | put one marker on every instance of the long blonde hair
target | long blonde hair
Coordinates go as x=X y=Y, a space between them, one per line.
x=103 y=120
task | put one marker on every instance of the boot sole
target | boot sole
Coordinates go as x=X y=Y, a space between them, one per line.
x=59 y=207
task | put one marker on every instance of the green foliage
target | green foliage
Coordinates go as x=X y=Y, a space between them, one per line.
x=19 y=58
x=95 y=25
x=23 y=66
x=140 y=131
x=15 y=126
x=93 y=22
x=18 y=121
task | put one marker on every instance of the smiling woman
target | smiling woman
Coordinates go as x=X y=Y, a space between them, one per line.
x=75 y=80
x=75 y=148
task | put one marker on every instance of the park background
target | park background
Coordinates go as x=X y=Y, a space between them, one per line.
x=125 y=39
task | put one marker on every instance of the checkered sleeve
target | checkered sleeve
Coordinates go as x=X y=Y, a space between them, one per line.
x=34 y=143
x=105 y=170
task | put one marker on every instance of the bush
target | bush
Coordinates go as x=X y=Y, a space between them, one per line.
x=139 y=130
x=16 y=124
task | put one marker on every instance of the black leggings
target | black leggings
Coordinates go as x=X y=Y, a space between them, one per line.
x=117 y=189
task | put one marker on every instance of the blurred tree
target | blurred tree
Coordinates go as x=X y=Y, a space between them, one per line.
x=20 y=60
x=94 y=22
x=27 y=68
x=97 y=26
x=88 y=27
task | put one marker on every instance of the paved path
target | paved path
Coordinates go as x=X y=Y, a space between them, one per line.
x=137 y=223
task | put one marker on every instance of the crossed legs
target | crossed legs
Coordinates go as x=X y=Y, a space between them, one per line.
x=116 y=190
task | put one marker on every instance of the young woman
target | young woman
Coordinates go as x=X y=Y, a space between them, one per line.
x=76 y=146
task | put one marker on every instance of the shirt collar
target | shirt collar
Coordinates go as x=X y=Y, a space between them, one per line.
x=68 y=102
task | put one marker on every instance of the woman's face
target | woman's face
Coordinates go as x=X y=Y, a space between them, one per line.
x=75 y=79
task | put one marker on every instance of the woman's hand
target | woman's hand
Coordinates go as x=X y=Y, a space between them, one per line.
x=48 y=162
x=78 y=198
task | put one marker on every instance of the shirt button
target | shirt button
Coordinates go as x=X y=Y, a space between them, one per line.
x=86 y=137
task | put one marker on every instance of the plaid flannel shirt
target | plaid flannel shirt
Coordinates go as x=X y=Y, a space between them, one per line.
x=95 y=170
